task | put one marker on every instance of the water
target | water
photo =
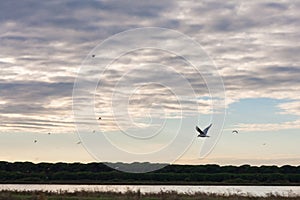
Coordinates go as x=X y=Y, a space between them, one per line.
x=261 y=191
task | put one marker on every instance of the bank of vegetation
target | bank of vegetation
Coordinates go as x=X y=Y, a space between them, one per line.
x=99 y=173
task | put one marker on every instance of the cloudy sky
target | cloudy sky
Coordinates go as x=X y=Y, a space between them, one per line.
x=150 y=92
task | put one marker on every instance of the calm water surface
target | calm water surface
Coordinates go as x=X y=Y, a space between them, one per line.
x=240 y=190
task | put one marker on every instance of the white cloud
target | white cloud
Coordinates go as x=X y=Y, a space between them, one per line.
x=269 y=126
x=291 y=108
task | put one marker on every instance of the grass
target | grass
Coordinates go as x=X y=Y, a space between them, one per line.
x=129 y=195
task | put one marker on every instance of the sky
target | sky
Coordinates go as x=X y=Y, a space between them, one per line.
x=152 y=70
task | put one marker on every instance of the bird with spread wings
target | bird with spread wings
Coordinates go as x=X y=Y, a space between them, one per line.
x=204 y=132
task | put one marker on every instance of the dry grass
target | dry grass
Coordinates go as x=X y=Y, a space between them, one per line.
x=129 y=195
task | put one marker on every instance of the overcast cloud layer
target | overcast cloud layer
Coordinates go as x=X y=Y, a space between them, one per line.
x=254 y=45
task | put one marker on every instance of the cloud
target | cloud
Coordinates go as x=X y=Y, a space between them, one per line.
x=254 y=44
x=269 y=126
x=137 y=82
x=31 y=105
x=26 y=91
x=291 y=108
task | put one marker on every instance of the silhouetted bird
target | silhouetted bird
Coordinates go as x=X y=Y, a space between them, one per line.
x=99 y=118
x=93 y=56
x=35 y=141
x=235 y=131
x=204 y=132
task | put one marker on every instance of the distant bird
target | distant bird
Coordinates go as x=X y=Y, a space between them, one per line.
x=94 y=131
x=35 y=141
x=235 y=131
x=204 y=132
x=78 y=142
x=49 y=133
x=264 y=144
x=99 y=118
x=93 y=56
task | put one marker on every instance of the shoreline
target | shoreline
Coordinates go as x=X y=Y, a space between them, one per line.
x=146 y=183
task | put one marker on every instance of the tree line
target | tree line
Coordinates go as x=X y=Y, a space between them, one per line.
x=27 y=172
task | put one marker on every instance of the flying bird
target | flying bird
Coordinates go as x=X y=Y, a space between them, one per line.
x=35 y=141
x=99 y=118
x=204 y=132
x=235 y=131
x=93 y=56
x=49 y=133
x=78 y=142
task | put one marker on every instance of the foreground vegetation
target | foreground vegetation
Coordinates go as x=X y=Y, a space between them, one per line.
x=99 y=173
x=13 y=195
